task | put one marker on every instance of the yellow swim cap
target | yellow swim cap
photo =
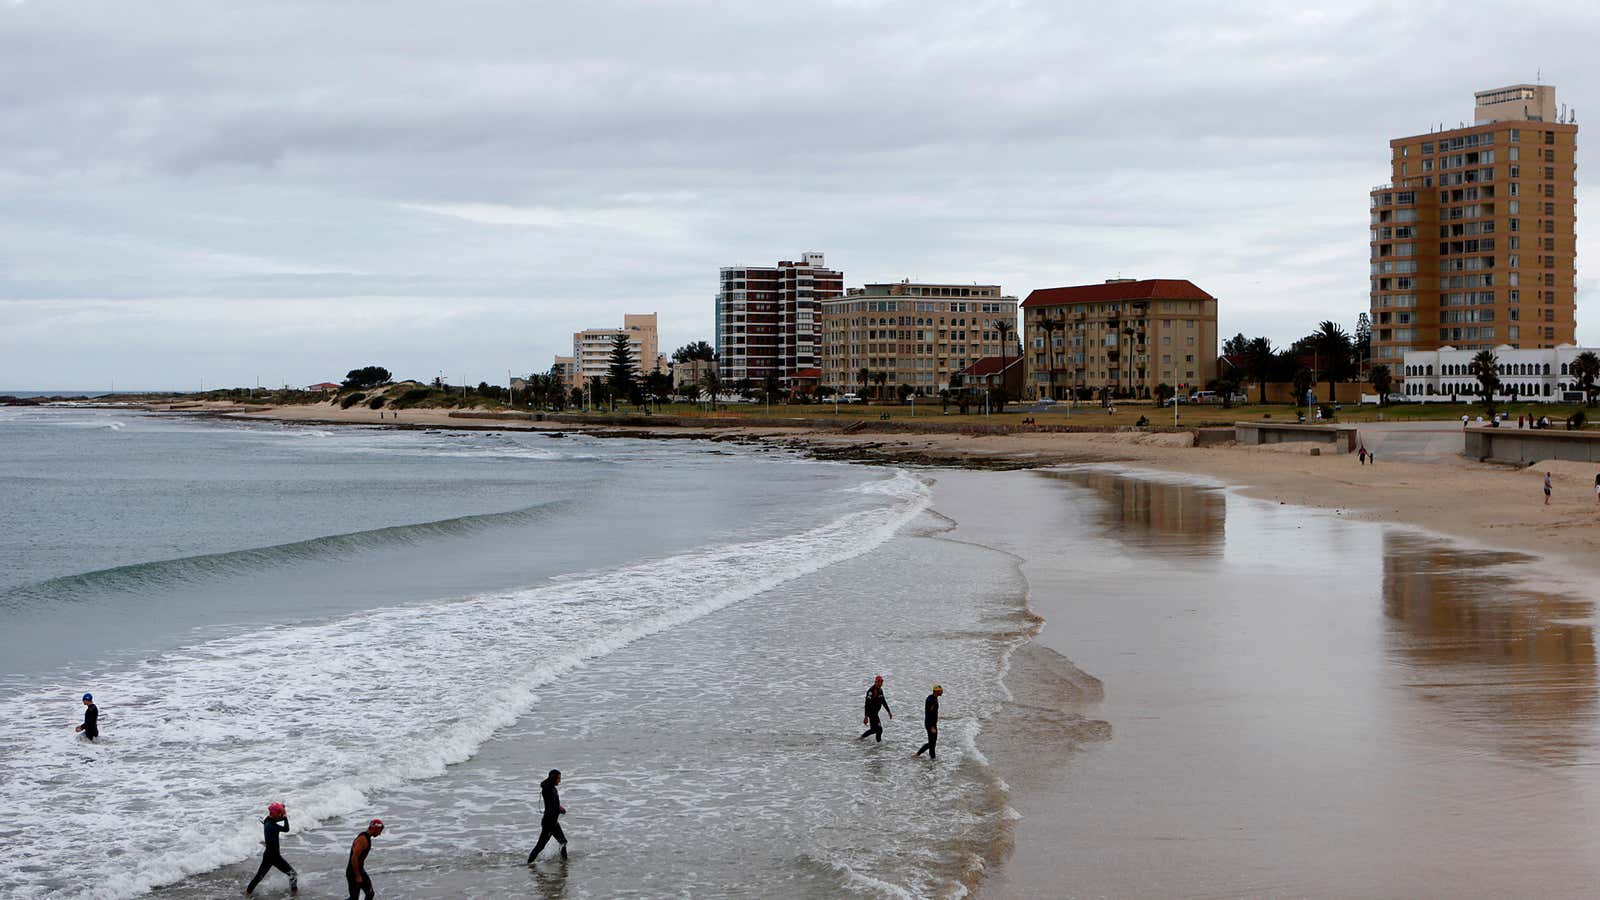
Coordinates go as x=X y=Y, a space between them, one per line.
x=938 y=688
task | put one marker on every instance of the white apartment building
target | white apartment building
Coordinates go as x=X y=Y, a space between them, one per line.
x=1537 y=376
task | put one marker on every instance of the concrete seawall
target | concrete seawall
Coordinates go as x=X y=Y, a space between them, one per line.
x=1339 y=438
x=1528 y=445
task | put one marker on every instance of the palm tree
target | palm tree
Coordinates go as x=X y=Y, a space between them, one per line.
x=880 y=379
x=1587 y=367
x=1332 y=346
x=1050 y=327
x=1487 y=369
x=1261 y=359
x=863 y=378
x=712 y=382
x=1382 y=381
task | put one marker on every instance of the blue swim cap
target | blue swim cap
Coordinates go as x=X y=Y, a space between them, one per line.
x=88 y=696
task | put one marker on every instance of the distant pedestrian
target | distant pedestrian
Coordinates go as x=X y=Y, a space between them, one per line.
x=550 y=821
x=276 y=823
x=930 y=721
x=1372 y=457
x=1463 y=422
x=1597 y=488
x=91 y=718
x=1362 y=455
x=355 y=870
x=1520 y=417
x=1547 y=489
x=876 y=701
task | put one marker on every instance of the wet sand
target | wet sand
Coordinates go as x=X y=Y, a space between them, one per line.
x=1254 y=699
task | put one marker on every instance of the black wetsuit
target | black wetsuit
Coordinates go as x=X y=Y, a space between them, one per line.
x=875 y=701
x=550 y=823
x=930 y=721
x=91 y=721
x=271 y=858
x=358 y=865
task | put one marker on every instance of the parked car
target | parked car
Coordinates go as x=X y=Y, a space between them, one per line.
x=849 y=398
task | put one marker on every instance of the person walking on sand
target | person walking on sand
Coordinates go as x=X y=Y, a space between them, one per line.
x=91 y=718
x=1361 y=454
x=1597 y=488
x=355 y=870
x=276 y=823
x=1547 y=489
x=930 y=721
x=876 y=701
x=550 y=822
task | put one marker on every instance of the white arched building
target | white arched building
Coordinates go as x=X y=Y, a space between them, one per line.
x=1544 y=376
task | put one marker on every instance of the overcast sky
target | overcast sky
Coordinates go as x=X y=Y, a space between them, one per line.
x=218 y=192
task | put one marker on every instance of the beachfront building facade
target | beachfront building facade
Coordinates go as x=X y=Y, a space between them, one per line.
x=565 y=368
x=1473 y=239
x=769 y=318
x=915 y=334
x=692 y=371
x=991 y=372
x=1544 y=375
x=1124 y=336
x=591 y=349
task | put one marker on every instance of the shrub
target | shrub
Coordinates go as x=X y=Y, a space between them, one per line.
x=412 y=396
x=352 y=400
x=375 y=403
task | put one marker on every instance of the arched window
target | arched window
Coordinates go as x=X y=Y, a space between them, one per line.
x=1547 y=368
x=1563 y=368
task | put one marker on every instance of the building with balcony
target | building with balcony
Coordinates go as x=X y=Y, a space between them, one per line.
x=769 y=318
x=1537 y=376
x=1473 y=239
x=591 y=349
x=1124 y=336
x=566 y=369
x=916 y=334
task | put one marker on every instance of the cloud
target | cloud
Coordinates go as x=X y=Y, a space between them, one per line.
x=258 y=180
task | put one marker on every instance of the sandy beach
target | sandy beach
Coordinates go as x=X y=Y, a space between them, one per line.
x=1492 y=505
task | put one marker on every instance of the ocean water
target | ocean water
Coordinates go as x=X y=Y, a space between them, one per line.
x=417 y=625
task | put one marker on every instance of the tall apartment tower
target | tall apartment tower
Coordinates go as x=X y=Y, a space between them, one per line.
x=1474 y=238
x=769 y=318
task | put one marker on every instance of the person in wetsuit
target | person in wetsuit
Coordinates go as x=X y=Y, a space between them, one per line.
x=875 y=701
x=550 y=822
x=276 y=823
x=91 y=718
x=355 y=871
x=930 y=721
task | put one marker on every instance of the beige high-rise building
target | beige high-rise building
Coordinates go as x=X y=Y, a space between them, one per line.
x=1125 y=335
x=1474 y=238
x=591 y=348
x=917 y=334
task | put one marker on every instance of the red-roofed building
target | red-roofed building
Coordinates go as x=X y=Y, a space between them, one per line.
x=1124 y=336
x=323 y=387
x=992 y=370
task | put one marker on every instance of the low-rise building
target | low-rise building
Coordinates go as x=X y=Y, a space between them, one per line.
x=1125 y=336
x=995 y=371
x=1535 y=375
x=692 y=371
x=915 y=334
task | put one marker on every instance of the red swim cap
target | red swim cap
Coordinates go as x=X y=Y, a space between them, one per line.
x=377 y=822
x=274 y=809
